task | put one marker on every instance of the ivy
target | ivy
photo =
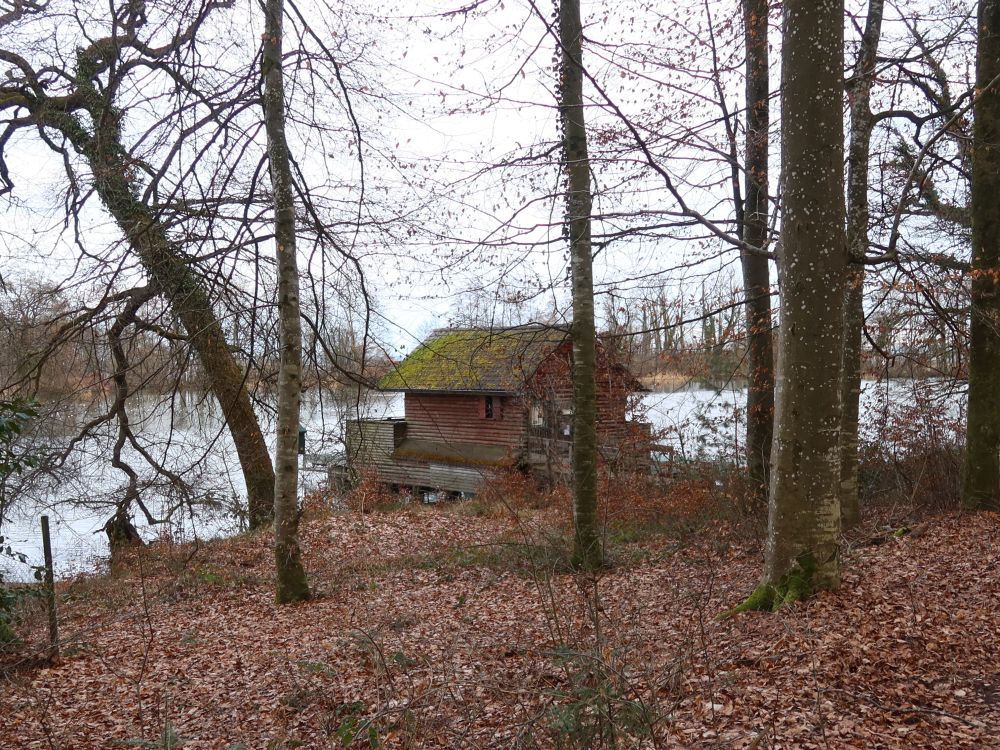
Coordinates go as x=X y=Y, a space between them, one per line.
x=14 y=414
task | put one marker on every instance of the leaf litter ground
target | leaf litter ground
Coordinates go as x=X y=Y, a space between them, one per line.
x=437 y=627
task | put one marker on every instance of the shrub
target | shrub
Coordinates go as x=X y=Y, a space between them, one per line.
x=371 y=494
x=912 y=454
x=13 y=416
x=506 y=492
x=638 y=500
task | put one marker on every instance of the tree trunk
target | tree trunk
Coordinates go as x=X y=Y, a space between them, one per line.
x=803 y=539
x=587 y=551
x=292 y=584
x=121 y=532
x=981 y=486
x=756 y=270
x=862 y=123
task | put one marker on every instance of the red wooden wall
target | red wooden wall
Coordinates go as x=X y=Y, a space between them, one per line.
x=450 y=417
x=460 y=417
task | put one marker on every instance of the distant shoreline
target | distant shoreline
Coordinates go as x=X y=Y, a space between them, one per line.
x=672 y=381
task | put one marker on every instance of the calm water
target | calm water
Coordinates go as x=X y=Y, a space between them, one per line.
x=189 y=438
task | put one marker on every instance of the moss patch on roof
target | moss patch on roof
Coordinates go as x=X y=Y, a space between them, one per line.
x=475 y=360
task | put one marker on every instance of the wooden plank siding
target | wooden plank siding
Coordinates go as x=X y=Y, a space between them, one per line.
x=621 y=443
x=448 y=441
x=446 y=417
x=370 y=443
x=371 y=446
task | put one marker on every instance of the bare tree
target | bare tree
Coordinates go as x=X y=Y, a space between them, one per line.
x=756 y=269
x=75 y=108
x=862 y=122
x=587 y=551
x=292 y=584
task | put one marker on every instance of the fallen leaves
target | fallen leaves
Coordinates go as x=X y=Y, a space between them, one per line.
x=426 y=634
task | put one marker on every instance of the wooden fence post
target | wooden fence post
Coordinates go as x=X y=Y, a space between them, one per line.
x=50 y=589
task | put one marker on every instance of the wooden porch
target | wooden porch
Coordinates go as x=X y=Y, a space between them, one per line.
x=383 y=447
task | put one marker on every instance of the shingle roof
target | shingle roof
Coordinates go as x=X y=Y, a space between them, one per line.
x=475 y=360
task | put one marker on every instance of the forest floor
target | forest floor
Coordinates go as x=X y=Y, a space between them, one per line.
x=458 y=626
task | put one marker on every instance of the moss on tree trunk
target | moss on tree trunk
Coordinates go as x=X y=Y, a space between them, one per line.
x=796 y=584
x=804 y=507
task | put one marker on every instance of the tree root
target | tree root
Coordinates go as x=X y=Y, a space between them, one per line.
x=794 y=586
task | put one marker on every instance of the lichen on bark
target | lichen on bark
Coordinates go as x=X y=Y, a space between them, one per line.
x=804 y=502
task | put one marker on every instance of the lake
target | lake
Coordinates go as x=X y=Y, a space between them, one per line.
x=188 y=436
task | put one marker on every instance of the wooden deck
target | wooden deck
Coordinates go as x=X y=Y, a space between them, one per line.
x=385 y=449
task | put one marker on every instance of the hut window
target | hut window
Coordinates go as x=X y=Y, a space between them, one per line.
x=537 y=414
x=488 y=407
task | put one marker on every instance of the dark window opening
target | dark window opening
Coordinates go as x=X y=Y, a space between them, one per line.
x=488 y=407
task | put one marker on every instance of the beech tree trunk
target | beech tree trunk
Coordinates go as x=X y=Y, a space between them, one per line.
x=803 y=537
x=292 y=585
x=981 y=486
x=756 y=270
x=862 y=123
x=587 y=550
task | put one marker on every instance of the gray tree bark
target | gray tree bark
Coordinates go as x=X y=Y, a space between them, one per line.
x=756 y=270
x=981 y=485
x=587 y=550
x=804 y=508
x=292 y=585
x=803 y=538
x=862 y=122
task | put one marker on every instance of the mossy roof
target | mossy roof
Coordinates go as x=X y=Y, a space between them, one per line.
x=475 y=360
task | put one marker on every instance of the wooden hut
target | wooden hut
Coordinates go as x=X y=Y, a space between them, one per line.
x=477 y=399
